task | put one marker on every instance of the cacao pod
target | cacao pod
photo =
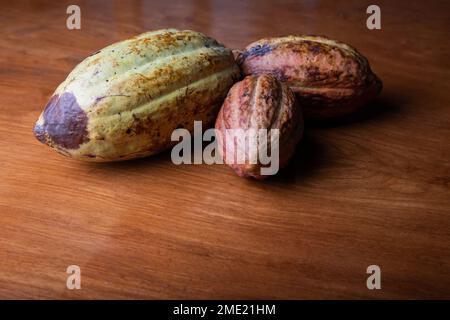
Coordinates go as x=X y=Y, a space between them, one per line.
x=331 y=78
x=125 y=100
x=258 y=102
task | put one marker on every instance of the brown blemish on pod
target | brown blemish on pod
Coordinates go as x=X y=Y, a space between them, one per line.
x=257 y=51
x=65 y=123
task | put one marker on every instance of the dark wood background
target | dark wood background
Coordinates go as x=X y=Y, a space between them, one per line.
x=370 y=190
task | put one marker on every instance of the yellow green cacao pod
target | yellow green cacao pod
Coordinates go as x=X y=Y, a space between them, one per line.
x=125 y=100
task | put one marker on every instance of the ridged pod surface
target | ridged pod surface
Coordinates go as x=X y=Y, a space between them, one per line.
x=332 y=78
x=259 y=102
x=125 y=100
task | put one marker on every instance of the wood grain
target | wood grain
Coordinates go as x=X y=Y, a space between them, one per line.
x=370 y=190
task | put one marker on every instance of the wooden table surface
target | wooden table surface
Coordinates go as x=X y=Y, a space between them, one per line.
x=373 y=190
